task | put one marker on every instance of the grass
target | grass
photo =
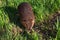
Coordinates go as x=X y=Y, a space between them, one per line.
x=42 y=9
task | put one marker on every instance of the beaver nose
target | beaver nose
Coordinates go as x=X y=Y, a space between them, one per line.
x=30 y=24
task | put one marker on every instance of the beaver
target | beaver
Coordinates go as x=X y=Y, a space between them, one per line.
x=26 y=14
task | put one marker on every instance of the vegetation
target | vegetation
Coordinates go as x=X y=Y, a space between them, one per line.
x=44 y=10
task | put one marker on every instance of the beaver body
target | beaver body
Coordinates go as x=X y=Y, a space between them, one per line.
x=26 y=15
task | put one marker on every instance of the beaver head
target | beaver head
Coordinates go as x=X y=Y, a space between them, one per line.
x=26 y=15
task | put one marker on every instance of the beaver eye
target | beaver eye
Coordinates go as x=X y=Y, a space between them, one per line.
x=24 y=20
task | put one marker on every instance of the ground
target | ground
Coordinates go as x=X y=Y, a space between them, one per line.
x=47 y=23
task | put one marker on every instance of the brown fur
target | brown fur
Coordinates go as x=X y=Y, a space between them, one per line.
x=26 y=15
